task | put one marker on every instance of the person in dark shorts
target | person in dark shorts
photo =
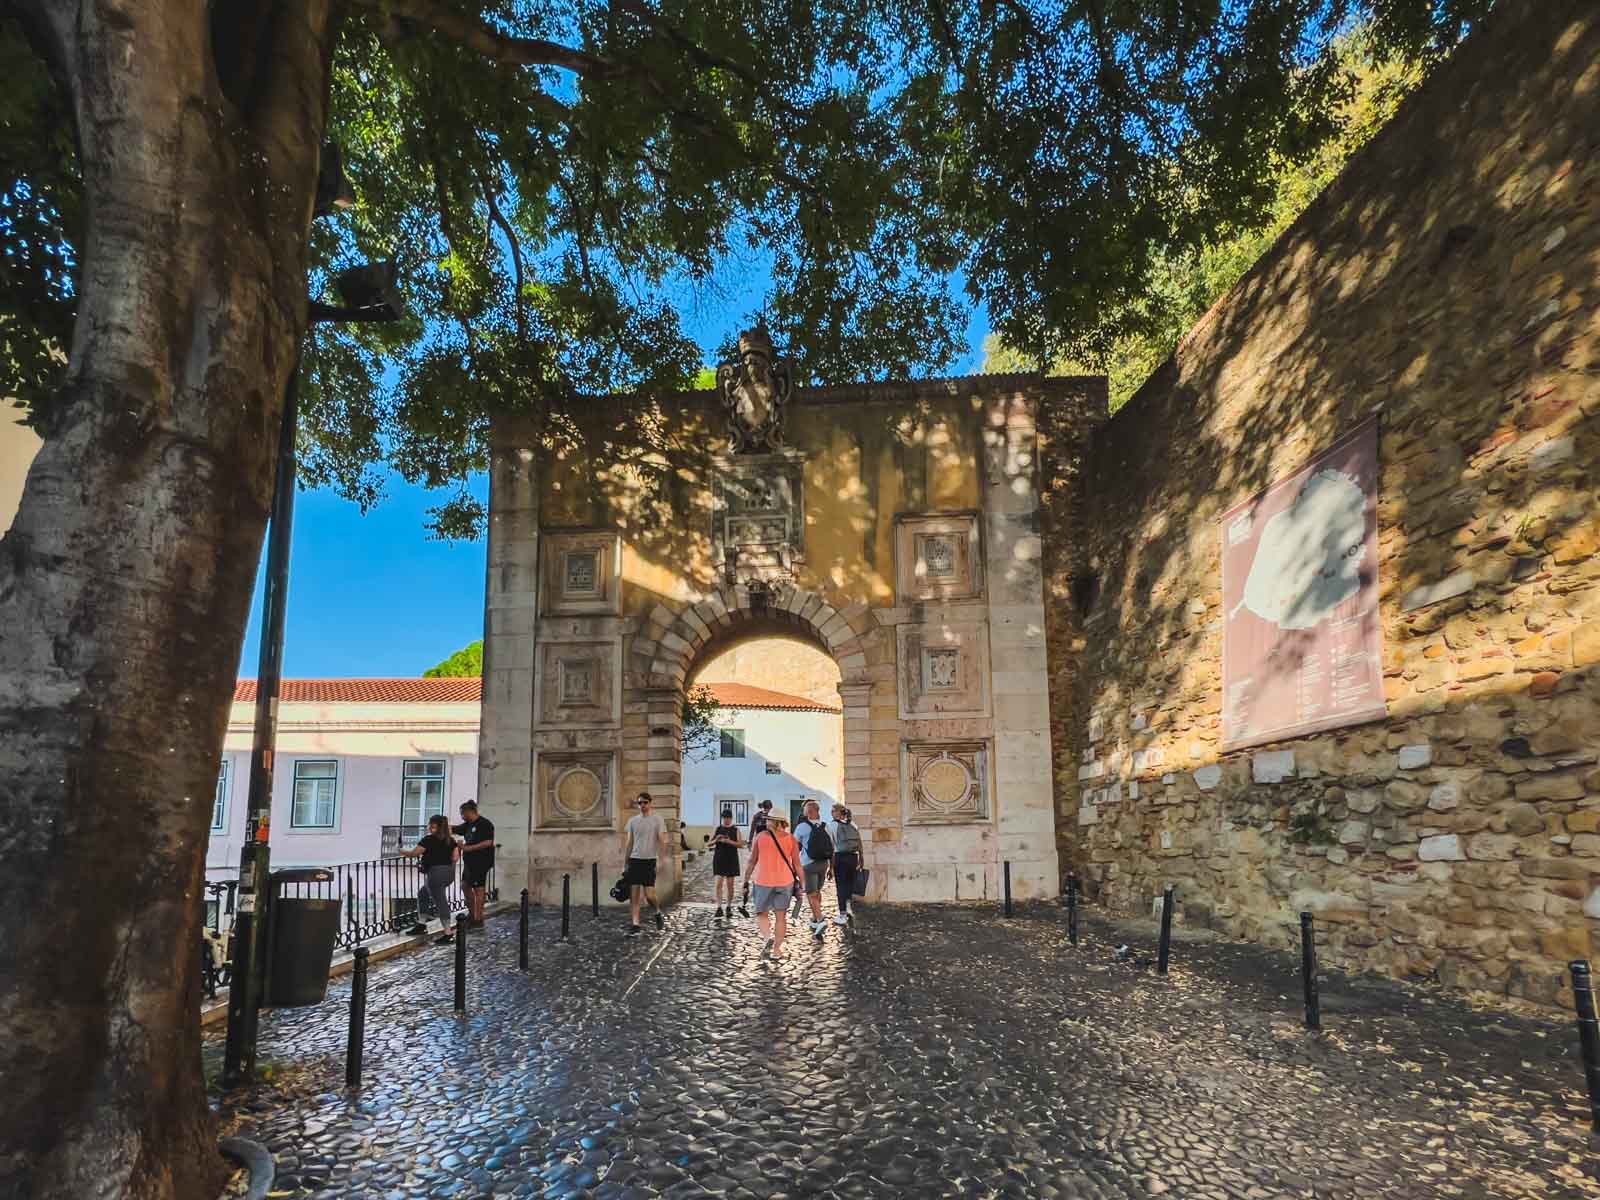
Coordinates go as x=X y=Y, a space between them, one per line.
x=477 y=859
x=438 y=852
x=725 y=843
x=644 y=840
x=759 y=821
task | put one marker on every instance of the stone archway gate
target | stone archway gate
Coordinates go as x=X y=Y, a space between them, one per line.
x=897 y=525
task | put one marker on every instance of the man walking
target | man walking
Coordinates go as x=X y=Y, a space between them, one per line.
x=759 y=821
x=477 y=859
x=847 y=861
x=644 y=840
x=816 y=861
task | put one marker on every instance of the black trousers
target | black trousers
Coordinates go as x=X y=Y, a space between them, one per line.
x=844 y=878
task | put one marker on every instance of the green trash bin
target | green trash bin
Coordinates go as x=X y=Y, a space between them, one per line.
x=303 y=933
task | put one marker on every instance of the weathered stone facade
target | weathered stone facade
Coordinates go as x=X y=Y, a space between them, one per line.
x=1449 y=280
x=895 y=526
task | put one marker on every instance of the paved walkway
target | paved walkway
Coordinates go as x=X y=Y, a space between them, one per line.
x=926 y=1052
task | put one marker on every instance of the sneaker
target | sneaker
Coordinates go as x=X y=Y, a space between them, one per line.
x=444 y=939
x=416 y=931
x=634 y=931
x=841 y=919
x=818 y=928
x=661 y=922
x=718 y=917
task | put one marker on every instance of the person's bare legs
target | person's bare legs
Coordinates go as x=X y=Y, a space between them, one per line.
x=764 y=923
x=815 y=900
x=635 y=894
x=650 y=895
x=780 y=927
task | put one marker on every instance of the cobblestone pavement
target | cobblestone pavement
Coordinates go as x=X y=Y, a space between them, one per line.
x=935 y=1051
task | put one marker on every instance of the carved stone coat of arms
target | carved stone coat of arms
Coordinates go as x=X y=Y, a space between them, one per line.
x=755 y=393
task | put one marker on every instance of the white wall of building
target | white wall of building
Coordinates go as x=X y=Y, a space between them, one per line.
x=369 y=744
x=787 y=754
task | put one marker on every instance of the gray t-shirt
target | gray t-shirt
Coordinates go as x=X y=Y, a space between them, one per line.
x=644 y=835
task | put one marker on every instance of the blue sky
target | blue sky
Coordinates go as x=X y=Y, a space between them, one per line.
x=372 y=595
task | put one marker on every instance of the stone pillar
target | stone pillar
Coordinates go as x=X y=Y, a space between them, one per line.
x=505 y=780
x=1021 y=688
x=663 y=761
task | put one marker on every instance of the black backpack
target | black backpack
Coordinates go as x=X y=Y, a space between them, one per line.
x=819 y=847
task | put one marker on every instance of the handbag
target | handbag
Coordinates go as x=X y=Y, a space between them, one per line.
x=620 y=892
x=858 y=885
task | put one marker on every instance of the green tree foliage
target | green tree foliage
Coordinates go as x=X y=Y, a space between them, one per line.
x=556 y=178
x=466 y=661
x=700 y=731
x=1183 y=283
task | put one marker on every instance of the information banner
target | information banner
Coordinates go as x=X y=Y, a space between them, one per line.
x=1301 y=645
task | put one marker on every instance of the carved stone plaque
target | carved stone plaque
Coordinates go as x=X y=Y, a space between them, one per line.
x=578 y=683
x=575 y=789
x=943 y=669
x=581 y=573
x=946 y=782
x=758 y=513
x=937 y=557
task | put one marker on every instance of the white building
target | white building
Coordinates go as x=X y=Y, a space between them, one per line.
x=354 y=756
x=773 y=746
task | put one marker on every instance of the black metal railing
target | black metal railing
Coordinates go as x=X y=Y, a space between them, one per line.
x=375 y=898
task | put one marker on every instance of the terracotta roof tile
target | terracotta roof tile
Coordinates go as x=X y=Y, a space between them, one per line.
x=458 y=690
x=743 y=695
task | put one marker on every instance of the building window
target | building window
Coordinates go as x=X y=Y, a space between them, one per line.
x=732 y=743
x=421 y=791
x=219 y=806
x=316 y=784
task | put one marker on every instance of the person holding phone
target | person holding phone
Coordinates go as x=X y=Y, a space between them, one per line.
x=438 y=852
x=725 y=844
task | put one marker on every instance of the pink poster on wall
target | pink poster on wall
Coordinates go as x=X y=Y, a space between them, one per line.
x=1301 y=645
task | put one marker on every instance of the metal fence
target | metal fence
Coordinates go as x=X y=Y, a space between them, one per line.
x=375 y=897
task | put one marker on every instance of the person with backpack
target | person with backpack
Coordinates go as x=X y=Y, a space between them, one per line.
x=774 y=859
x=847 y=861
x=816 y=860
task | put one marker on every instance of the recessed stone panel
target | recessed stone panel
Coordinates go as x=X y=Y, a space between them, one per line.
x=937 y=557
x=577 y=789
x=582 y=572
x=578 y=683
x=945 y=783
x=943 y=669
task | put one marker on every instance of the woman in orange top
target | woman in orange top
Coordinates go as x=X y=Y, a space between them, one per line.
x=773 y=855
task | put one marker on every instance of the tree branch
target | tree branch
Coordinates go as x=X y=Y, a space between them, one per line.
x=516 y=255
x=488 y=42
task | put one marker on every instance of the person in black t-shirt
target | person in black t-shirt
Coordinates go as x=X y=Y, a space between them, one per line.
x=759 y=821
x=725 y=843
x=438 y=852
x=477 y=858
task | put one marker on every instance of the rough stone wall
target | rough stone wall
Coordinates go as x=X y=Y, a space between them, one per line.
x=1449 y=280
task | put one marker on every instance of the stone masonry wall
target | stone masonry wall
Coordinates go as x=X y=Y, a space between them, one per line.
x=1450 y=281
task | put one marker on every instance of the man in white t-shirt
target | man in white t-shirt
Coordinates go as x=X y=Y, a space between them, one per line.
x=644 y=840
x=815 y=866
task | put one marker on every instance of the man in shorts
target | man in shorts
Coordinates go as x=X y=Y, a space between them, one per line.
x=644 y=840
x=816 y=868
x=477 y=859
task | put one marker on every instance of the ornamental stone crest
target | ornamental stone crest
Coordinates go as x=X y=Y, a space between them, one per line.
x=755 y=392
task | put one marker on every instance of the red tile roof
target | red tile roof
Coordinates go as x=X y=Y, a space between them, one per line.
x=458 y=690
x=743 y=695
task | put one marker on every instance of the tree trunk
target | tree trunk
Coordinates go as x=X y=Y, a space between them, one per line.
x=125 y=581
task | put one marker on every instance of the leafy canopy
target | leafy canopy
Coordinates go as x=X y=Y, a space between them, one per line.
x=465 y=662
x=559 y=181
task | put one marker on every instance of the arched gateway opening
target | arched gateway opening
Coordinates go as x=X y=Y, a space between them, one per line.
x=895 y=526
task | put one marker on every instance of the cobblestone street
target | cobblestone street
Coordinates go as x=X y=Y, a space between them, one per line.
x=925 y=1052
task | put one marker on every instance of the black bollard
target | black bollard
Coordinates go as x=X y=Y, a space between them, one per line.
x=594 y=890
x=1008 y=887
x=1588 y=1035
x=1165 y=951
x=566 y=907
x=522 y=935
x=1308 y=968
x=355 y=1043
x=461 y=963
x=1072 y=909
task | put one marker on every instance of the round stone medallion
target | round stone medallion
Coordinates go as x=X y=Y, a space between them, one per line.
x=577 y=791
x=946 y=782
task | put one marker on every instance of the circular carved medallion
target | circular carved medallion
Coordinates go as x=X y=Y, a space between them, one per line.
x=946 y=782
x=578 y=791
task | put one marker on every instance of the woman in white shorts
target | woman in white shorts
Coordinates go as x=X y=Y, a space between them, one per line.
x=773 y=855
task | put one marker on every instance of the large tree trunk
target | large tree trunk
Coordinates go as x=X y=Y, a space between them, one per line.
x=125 y=581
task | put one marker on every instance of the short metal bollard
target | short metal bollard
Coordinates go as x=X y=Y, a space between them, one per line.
x=566 y=907
x=1588 y=1035
x=1165 y=951
x=1008 y=887
x=594 y=890
x=522 y=935
x=1308 y=968
x=356 y=1042
x=1072 y=909
x=461 y=963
